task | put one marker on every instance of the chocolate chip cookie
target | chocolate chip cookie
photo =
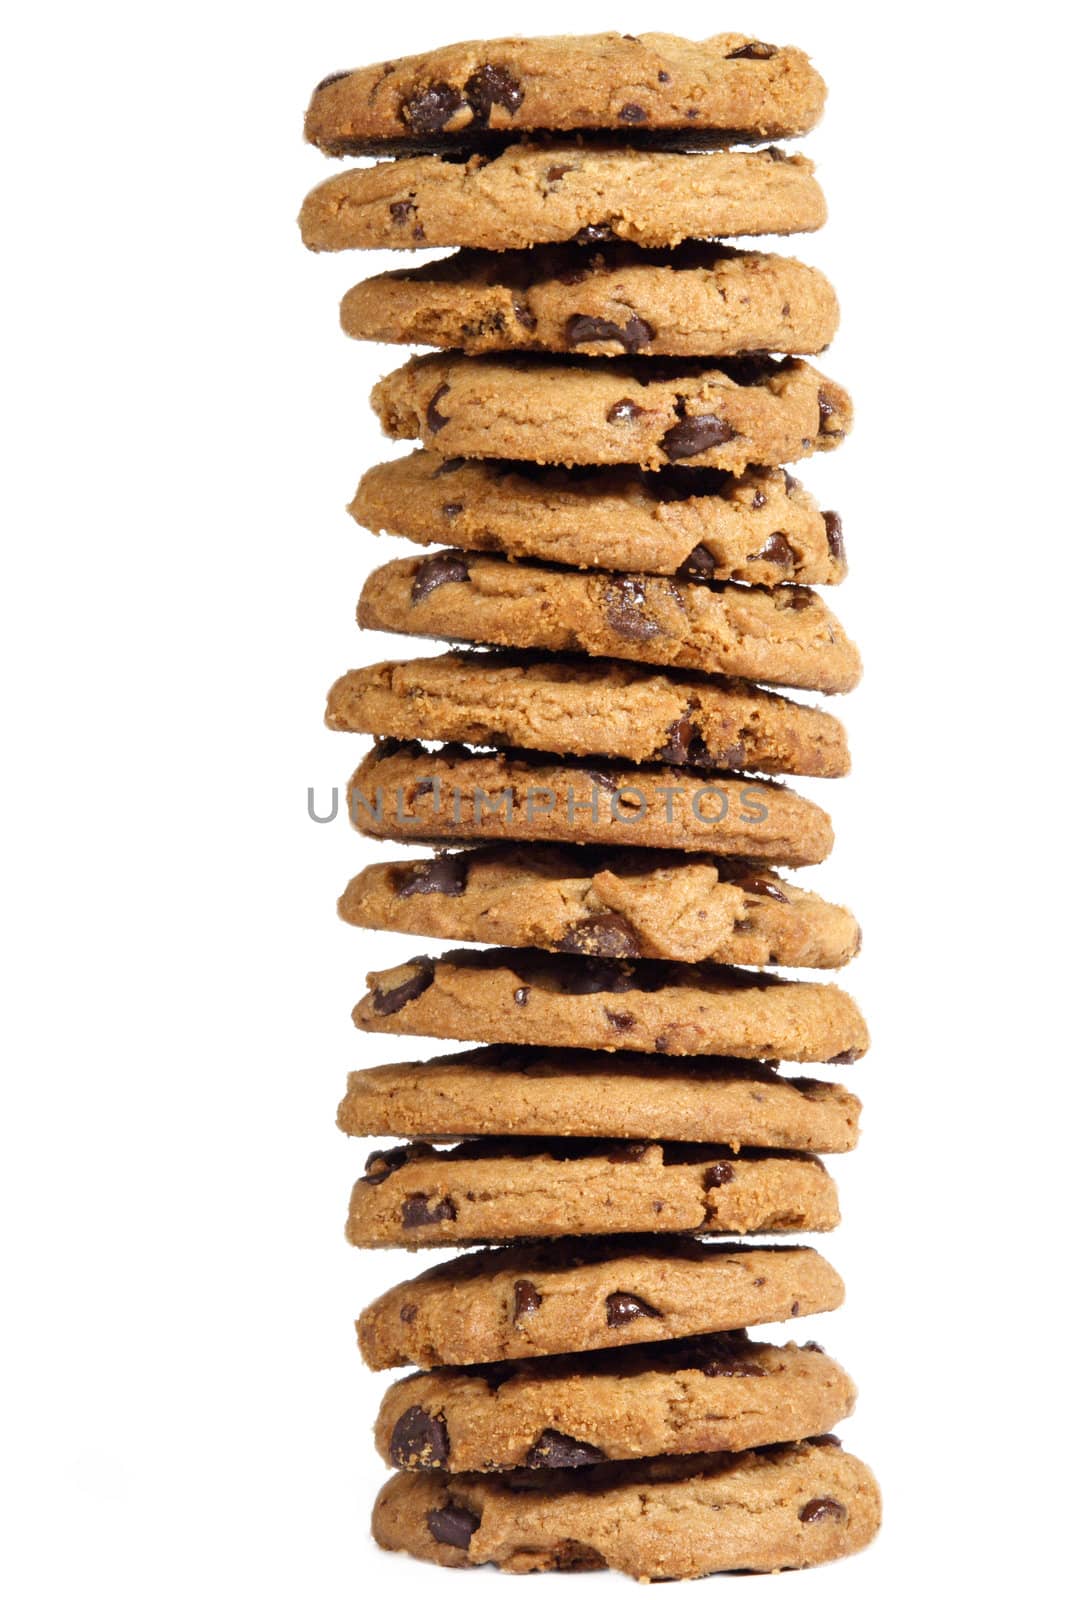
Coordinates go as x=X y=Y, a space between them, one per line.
x=721 y=1392
x=752 y=411
x=665 y=1007
x=546 y=1299
x=794 y=1505
x=562 y=193
x=488 y=1190
x=786 y=636
x=761 y=527
x=701 y=299
x=605 y=903
x=461 y=94
x=407 y=792
x=622 y=1095
x=570 y=707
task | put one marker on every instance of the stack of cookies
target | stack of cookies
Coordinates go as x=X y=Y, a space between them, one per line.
x=604 y=429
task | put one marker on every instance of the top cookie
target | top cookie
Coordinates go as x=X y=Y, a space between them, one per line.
x=730 y=85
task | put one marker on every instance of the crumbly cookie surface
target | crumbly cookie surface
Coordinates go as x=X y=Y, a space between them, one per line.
x=730 y=84
x=785 y=636
x=754 y=411
x=529 y=1300
x=788 y=1506
x=570 y=707
x=722 y=1392
x=406 y=792
x=668 y=1008
x=562 y=193
x=663 y=905
x=485 y=1191
x=698 y=300
x=760 y=527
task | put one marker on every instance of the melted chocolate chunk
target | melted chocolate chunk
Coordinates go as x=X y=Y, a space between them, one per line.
x=603 y=780
x=632 y=112
x=416 y=1212
x=402 y=211
x=491 y=86
x=624 y=606
x=443 y=875
x=605 y=933
x=621 y=1021
x=726 y=1356
x=527 y=1299
x=692 y=435
x=598 y=977
x=430 y=574
x=624 y=411
x=453 y=464
x=453 y=1524
x=751 y=884
x=717 y=1174
x=699 y=563
x=777 y=550
x=434 y=420
x=381 y=1164
x=334 y=77
x=826 y=410
x=755 y=50
x=388 y=1001
x=835 y=538
x=419 y=1440
x=598 y=233
x=430 y=109
x=633 y=335
x=523 y=314
x=822 y=1510
x=623 y=1307
x=554 y=1449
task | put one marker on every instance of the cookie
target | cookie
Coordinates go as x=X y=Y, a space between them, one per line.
x=753 y=411
x=406 y=792
x=562 y=193
x=592 y=902
x=614 y=299
x=539 y=1300
x=489 y=1190
x=731 y=85
x=722 y=1392
x=761 y=527
x=570 y=707
x=528 y=997
x=786 y=1506
x=552 y=1093
x=786 y=636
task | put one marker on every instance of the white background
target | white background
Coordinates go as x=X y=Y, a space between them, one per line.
x=186 y=1411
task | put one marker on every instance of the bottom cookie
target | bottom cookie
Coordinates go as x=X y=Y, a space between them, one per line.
x=682 y=1517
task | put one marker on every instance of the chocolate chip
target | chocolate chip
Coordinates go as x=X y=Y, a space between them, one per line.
x=791 y=484
x=625 y=1155
x=726 y=1356
x=434 y=420
x=452 y=508
x=453 y=1525
x=830 y=1439
x=844 y=1058
x=401 y=211
x=381 y=1164
x=419 y=1440
x=603 y=780
x=822 y=1510
x=621 y=1021
x=389 y=1001
x=693 y=435
x=624 y=411
x=595 y=233
x=632 y=112
x=813 y=1345
x=623 y=1307
x=679 y=740
x=664 y=77
x=416 y=1212
x=776 y=550
x=605 y=933
x=598 y=977
x=699 y=563
x=635 y=334
x=334 y=77
x=521 y=996
x=753 y=885
x=527 y=1299
x=835 y=538
x=408 y=1313
x=775 y=154
x=625 y=598
x=554 y=1449
x=443 y=875
x=755 y=50
x=444 y=567
x=794 y=1309
x=430 y=109
x=554 y=174
x=523 y=314
x=453 y=464
x=826 y=410
x=717 y=1174
x=491 y=86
